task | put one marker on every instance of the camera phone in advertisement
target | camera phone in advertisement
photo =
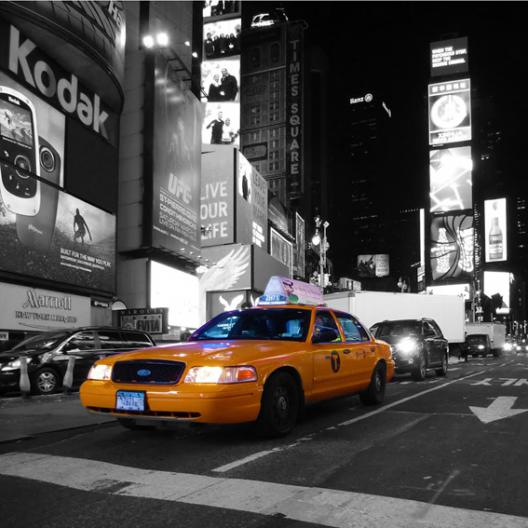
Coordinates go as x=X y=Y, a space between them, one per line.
x=18 y=153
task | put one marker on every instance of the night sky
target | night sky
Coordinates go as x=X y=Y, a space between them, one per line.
x=383 y=48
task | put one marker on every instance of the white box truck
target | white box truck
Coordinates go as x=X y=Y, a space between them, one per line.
x=495 y=331
x=371 y=307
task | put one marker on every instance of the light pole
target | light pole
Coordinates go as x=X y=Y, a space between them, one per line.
x=324 y=245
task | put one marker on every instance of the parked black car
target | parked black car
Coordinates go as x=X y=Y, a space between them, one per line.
x=478 y=345
x=48 y=353
x=417 y=345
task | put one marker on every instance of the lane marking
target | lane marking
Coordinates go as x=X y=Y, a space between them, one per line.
x=261 y=454
x=326 y=507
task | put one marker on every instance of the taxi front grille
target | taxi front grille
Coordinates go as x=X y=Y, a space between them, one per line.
x=156 y=372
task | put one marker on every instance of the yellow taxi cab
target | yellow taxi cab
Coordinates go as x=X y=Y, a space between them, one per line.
x=261 y=364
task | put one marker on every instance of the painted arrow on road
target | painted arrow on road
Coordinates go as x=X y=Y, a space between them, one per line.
x=500 y=408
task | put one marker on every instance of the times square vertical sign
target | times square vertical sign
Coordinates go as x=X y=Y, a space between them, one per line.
x=294 y=112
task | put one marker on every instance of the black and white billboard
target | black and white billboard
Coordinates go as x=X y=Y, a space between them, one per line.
x=64 y=240
x=452 y=247
x=373 y=265
x=281 y=249
x=450 y=112
x=450 y=179
x=222 y=38
x=177 y=165
x=449 y=57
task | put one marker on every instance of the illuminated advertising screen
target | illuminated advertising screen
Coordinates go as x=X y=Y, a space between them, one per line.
x=221 y=39
x=217 y=8
x=373 y=265
x=252 y=205
x=449 y=57
x=462 y=290
x=450 y=179
x=452 y=247
x=281 y=249
x=300 y=245
x=495 y=230
x=217 y=196
x=450 y=112
x=221 y=125
x=497 y=283
x=177 y=165
x=176 y=290
x=67 y=240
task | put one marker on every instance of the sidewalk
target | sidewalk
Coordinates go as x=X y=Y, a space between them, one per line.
x=25 y=418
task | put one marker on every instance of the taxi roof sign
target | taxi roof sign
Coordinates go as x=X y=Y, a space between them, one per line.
x=283 y=290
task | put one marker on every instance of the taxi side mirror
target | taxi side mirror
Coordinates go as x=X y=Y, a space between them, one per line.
x=326 y=335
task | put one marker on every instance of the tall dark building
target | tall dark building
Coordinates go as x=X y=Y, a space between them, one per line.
x=360 y=208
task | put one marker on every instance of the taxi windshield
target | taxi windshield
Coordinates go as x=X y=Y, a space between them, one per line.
x=285 y=324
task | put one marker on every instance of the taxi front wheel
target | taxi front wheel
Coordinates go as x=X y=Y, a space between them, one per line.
x=376 y=390
x=279 y=407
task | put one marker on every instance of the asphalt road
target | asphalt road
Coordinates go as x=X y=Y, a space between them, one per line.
x=443 y=452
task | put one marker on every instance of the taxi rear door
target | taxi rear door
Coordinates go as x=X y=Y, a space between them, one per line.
x=331 y=362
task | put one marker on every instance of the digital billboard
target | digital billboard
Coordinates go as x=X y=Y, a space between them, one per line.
x=176 y=290
x=217 y=196
x=221 y=125
x=252 y=204
x=495 y=230
x=498 y=283
x=462 y=290
x=221 y=38
x=450 y=112
x=451 y=254
x=281 y=249
x=373 y=265
x=177 y=165
x=449 y=57
x=450 y=179
x=300 y=245
x=216 y=8
x=66 y=240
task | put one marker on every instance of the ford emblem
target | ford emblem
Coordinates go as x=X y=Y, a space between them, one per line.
x=144 y=372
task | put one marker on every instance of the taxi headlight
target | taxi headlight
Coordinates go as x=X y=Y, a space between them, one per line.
x=100 y=372
x=407 y=346
x=221 y=375
x=14 y=365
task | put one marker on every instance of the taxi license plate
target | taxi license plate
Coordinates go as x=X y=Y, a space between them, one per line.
x=130 y=401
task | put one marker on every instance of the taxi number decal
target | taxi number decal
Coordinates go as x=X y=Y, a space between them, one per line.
x=335 y=361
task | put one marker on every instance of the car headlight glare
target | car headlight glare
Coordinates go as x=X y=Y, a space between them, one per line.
x=100 y=372
x=242 y=374
x=481 y=347
x=508 y=347
x=14 y=365
x=407 y=346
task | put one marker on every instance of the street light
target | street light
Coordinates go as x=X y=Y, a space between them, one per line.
x=316 y=241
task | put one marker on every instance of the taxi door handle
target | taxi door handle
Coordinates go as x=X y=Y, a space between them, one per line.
x=346 y=351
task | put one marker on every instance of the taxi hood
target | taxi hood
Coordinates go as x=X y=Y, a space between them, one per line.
x=221 y=352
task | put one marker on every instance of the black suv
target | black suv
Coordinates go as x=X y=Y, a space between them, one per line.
x=48 y=353
x=417 y=345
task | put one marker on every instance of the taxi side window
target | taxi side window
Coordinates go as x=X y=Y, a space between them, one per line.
x=353 y=330
x=325 y=321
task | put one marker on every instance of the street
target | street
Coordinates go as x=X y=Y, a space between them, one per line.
x=442 y=452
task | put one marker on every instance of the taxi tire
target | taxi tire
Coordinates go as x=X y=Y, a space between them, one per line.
x=281 y=396
x=442 y=371
x=130 y=423
x=375 y=394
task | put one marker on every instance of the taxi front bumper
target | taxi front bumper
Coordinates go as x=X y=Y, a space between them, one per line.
x=219 y=404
